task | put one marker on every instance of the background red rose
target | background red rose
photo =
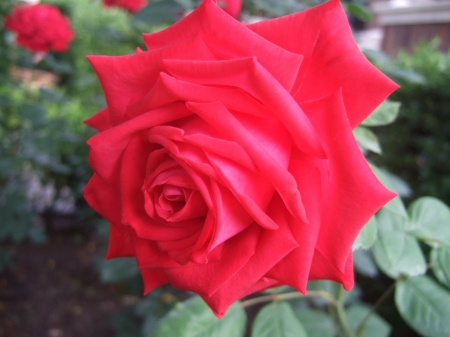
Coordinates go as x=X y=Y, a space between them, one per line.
x=227 y=166
x=40 y=28
x=129 y=5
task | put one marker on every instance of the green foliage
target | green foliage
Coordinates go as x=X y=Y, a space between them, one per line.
x=424 y=305
x=193 y=318
x=417 y=147
x=277 y=320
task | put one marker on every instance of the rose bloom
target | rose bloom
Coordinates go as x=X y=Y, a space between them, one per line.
x=40 y=28
x=129 y=5
x=232 y=7
x=226 y=162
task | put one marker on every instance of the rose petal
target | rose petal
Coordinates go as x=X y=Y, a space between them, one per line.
x=249 y=75
x=100 y=121
x=353 y=193
x=133 y=211
x=332 y=59
x=208 y=20
x=294 y=269
x=125 y=79
x=107 y=147
x=220 y=118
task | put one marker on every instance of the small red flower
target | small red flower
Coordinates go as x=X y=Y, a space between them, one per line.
x=129 y=5
x=40 y=28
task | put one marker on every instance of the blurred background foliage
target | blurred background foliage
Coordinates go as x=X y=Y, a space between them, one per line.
x=44 y=166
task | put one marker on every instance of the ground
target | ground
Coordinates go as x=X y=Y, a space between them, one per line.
x=53 y=290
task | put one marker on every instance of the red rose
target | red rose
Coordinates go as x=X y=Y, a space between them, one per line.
x=129 y=5
x=226 y=162
x=40 y=28
x=232 y=7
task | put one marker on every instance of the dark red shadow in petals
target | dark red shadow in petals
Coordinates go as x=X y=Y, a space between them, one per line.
x=332 y=60
x=120 y=242
x=353 y=193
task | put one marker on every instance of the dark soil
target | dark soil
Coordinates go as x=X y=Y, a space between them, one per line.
x=53 y=290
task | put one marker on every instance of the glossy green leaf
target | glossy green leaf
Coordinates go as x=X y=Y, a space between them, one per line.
x=117 y=270
x=364 y=264
x=360 y=12
x=367 y=139
x=396 y=204
x=430 y=220
x=375 y=326
x=315 y=322
x=277 y=319
x=424 y=305
x=193 y=318
x=396 y=252
x=366 y=238
x=385 y=114
x=159 y=12
x=440 y=263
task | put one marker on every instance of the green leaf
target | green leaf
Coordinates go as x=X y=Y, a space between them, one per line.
x=364 y=264
x=367 y=139
x=159 y=12
x=359 y=12
x=396 y=252
x=33 y=113
x=385 y=114
x=118 y=270
x=396 y=204
x=366 y=238
x=315 y=322
x=277 y=319
x=193 y=318
x=424 y=305
x=375 y=325
x=430 y=220
x=440 y=263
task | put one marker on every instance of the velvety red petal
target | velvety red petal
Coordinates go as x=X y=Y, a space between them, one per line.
x=272 y=247
x=332 y=60
x=106 y=148
x=220 y=118
x=132 y=177
x=352 y=193
x=125 y=79
x=103 y=198
x=169 y=89
x=153 y=278
x=120 y=242
x=100 y=121
x=250 y=76
x=323 y=269
x=214 y=25
x=294 y=269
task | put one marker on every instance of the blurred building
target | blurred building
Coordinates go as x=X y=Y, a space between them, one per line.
x=407 y=22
